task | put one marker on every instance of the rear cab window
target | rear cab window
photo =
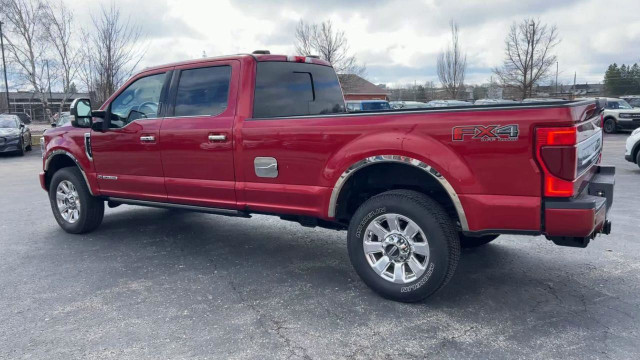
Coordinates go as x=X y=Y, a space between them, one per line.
x=296 y=89
x=203 y=91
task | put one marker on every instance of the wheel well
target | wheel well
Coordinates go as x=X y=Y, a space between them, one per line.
x=56 y=163
x=610 y=117
x=378 y=178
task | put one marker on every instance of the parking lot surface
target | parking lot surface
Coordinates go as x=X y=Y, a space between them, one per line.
x=159 y=284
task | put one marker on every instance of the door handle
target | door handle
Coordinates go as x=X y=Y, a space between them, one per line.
x=148 y=138
x=217 y=137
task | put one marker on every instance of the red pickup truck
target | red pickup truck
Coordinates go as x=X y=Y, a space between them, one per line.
x=269 y=134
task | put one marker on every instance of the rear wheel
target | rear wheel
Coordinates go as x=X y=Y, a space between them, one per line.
x=74 y=208
x=638 y=159
x=29 y=147
x=403 y=245
x=467 y=242
x=610 y=126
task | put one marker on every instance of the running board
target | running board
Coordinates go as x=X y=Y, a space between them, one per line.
x=203 y=209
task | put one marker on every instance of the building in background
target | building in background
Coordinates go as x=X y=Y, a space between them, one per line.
x=356 y=88
x=31 y=103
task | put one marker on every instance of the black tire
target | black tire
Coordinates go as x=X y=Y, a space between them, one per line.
x=610 y=126
x=91 y=208
x=20 y=151
x=467 y=242
x=442 y=238
x=29 y=147
x=638 y=158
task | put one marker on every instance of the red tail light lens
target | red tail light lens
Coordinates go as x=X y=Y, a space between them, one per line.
x=557 y=154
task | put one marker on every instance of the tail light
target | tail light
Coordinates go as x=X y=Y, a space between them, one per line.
x=557 y=153
x=300 y=59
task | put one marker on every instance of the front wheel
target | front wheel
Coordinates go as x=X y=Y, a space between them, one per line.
x=20 y=150
x=403 y=245
x=74 y=208
x=610 y=126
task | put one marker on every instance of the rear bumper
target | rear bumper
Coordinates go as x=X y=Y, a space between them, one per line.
x=574 y=222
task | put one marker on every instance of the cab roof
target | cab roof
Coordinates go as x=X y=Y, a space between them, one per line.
x=256 y=57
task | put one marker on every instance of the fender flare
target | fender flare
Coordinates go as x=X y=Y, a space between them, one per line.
x=53 y=153
x=337 y=188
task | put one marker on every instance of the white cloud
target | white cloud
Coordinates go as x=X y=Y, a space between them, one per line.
x=398 y=40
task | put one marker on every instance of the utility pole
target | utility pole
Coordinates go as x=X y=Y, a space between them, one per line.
x=4 y=68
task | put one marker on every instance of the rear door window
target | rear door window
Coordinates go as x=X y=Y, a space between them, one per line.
x=296 y=89
x=203 y=91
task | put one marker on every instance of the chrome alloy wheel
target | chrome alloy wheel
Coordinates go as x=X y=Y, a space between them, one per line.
x=396 y=248
x=68 y=201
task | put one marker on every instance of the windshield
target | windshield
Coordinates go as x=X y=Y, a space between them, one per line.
x=64 y=119
x=377 y=105
x=8 y=122
x=619 y=104
x=625 y=105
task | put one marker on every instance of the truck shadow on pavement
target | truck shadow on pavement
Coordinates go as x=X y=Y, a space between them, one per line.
x=270 y=253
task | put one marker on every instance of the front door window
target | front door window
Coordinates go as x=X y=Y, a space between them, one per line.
x=140 y=100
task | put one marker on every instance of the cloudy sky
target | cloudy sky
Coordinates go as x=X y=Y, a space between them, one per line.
x=397 y=40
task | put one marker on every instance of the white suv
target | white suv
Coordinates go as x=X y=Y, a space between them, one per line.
x=632 y=151
x=619 y=115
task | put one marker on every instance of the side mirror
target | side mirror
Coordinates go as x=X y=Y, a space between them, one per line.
x=53 y=125
x=81 y=112
x=21 y=126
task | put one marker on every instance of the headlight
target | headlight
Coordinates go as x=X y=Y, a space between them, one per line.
x=635 y=132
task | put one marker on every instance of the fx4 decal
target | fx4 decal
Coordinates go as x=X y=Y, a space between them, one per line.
x=486 y=133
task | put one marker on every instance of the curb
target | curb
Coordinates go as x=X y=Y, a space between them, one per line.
x=36 y=139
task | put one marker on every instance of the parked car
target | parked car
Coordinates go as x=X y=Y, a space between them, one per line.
x=246 y=134
x=24 y=117
x=447 y=103
x=493 y=102
x=367 y=105
x=15 y=136
x=632 y=150
x=619 y=115
x=633 y=100
x=408 y=105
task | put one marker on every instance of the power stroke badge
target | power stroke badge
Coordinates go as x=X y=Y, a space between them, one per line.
x=486 y=133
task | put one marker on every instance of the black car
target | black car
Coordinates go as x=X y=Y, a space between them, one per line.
x=15 y=136
x=25 y=118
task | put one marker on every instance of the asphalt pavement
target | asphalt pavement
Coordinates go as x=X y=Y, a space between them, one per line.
x=159 y=284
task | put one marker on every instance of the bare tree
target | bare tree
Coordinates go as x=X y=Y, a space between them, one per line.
x=113 y=50
x=26 y=43
x=60 y=33
x=528 y=57
x=329 y=44
x=452 y=65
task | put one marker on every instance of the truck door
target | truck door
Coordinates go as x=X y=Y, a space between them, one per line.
x=127 y=155
x=197 y=142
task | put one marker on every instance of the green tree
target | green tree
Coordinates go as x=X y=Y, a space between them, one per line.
x=612 y=79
